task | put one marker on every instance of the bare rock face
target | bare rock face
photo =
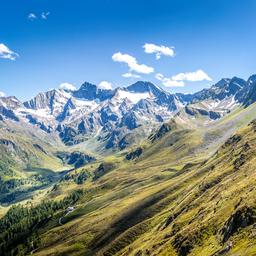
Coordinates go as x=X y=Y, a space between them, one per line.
x=183 y=244
x=103 y=169
x=8 y=114
x=241 y=218
x=134 y=154
x=9 y=145
x=164 y=129
x=76 y=158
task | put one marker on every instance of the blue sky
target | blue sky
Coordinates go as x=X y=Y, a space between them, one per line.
x=76 y=41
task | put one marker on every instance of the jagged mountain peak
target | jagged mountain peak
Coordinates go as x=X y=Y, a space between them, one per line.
x=8 y=105
x=229 y=81
x=225 y=88
x=251 y=79
x=47 y=99
x=222 y=82
x=90 y=91
x=10 y=102
x=87 y=86
x=161 y=97
x=145 y=86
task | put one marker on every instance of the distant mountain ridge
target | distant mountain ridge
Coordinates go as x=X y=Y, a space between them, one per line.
x=113 y=115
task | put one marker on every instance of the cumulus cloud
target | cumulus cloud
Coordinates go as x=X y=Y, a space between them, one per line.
x=6 y=53
x=179 y=79
x=105 y=85
x=198 y=75
x=132 y=63
x=44 y=15
x=130 y=75
x=2 y=94
x=159 y=50
x=67 y=86
x=32 y=16
x=168 y=82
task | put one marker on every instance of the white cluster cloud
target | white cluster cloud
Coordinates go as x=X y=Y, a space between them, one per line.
x=159 y=50
x=130 y=75
x=179 y=79
x=2 y=94
x=105 y=85
x=67 y=86
x=6 y=53
x=32 y=16
x=169 y=82
x=44 y=15
x=132 y=63
x=198 y=75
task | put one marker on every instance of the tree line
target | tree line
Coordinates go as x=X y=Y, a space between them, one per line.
x=21 y=224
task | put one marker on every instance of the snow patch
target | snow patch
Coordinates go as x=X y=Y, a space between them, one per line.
x=44 y=113
x=85 y=103
x=133 y=97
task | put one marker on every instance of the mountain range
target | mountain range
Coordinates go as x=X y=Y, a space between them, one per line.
x=112 y=116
